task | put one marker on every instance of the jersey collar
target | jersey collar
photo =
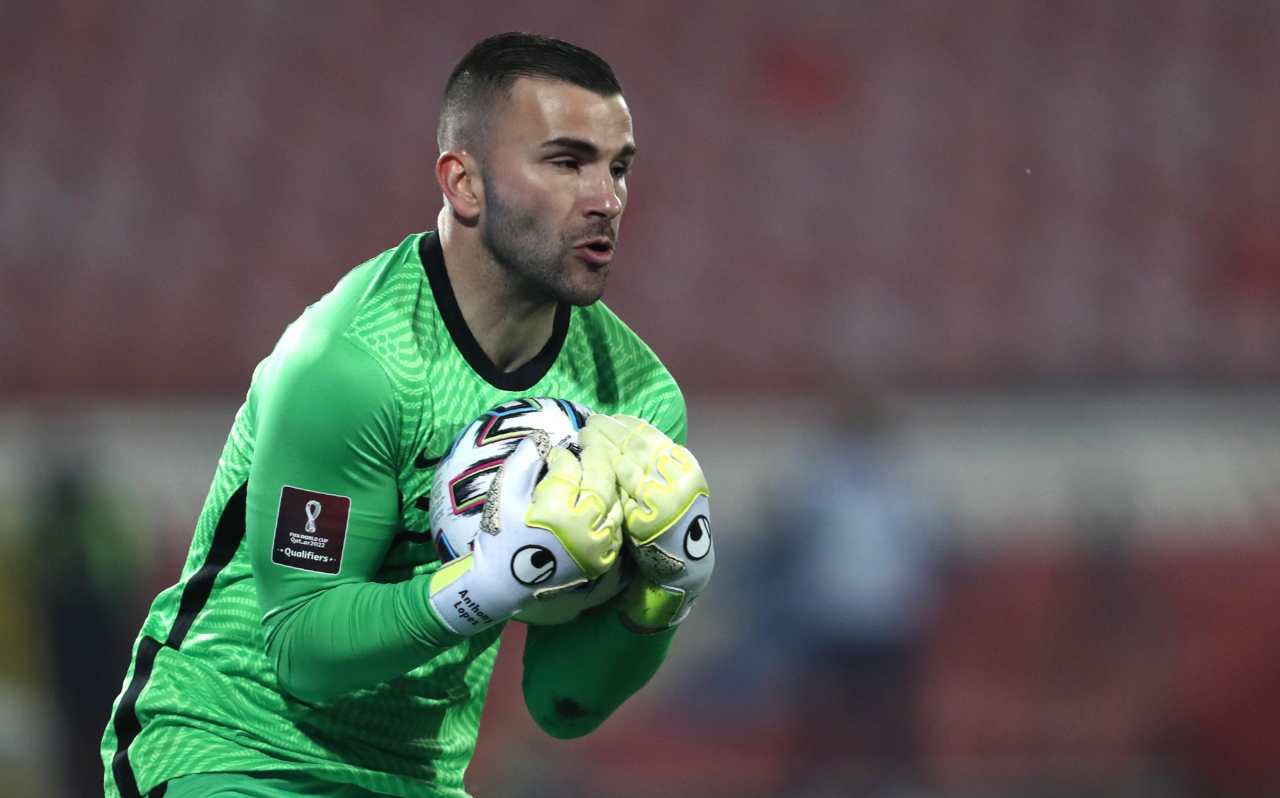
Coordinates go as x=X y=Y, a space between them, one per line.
x=523 y=378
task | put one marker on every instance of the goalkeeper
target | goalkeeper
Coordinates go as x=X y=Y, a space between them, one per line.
x=311 y=644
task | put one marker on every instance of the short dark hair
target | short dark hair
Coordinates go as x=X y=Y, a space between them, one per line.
x=485 y=75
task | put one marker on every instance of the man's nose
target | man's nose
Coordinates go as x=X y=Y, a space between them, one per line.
x=605 y=198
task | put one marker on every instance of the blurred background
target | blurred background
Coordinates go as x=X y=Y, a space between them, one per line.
x=976 y=306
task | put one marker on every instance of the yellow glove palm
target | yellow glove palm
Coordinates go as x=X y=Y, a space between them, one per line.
x=666 y=515
x=577 y=501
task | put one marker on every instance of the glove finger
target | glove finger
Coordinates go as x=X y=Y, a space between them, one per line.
x=606 y=427
x=594 y=436
x=560 y=486
x=635 y=518
x=630 y=476
x=643 y=441
x=687 y=465
x=613 y=522
x=598 y=479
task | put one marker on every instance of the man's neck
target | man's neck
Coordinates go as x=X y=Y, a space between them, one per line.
x=510 y=326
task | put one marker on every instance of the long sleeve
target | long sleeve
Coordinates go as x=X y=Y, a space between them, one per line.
x=322 y=510
x=576 y=674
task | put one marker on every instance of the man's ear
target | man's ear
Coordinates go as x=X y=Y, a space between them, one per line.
x=459 y=179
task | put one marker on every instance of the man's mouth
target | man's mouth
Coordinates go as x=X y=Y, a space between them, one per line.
x=598 y=244
x=597 y=251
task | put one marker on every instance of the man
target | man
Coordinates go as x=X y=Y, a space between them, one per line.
x=338 y=670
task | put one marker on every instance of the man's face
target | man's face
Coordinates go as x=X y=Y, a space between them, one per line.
x=554 y=175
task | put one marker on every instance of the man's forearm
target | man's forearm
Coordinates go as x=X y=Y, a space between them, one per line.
x=352 y=636
x=577 y=674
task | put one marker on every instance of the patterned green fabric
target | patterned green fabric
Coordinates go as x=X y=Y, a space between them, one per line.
x=201 y=694
x=259 y=785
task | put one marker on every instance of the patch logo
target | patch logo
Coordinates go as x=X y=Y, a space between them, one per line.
x=697 y=538
x=311 y=530
x=532 y=565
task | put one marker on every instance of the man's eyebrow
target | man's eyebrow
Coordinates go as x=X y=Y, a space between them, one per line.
x=584 y=147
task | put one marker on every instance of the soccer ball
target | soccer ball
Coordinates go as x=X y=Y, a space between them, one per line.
x=465 y=474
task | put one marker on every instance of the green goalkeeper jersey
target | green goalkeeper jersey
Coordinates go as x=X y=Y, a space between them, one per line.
x=299 y=636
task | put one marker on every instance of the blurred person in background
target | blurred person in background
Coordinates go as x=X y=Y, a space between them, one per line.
x=84 y=569
x=856 y=579
x=346 y=660
x=23 y=732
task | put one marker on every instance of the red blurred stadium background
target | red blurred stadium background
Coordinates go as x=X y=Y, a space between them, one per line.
x=1041 y=235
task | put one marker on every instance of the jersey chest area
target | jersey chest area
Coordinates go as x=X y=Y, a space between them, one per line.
x=412 y=546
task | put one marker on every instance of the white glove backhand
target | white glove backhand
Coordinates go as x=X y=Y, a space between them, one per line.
x=540 y=535
x=667 y=516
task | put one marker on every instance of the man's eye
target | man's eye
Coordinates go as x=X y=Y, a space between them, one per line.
x=620 y=171
x=565 y=163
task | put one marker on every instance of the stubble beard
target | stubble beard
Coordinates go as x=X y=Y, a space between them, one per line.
x=530 y=253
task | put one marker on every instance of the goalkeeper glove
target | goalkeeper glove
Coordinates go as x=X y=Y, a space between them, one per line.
x=540 y=536
x=667 y=519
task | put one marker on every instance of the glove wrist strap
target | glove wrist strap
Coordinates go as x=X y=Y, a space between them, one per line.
x=648 y=608
x=459 y=596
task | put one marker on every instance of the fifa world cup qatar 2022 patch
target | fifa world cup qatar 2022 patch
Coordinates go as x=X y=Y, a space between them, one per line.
x=311 y=529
